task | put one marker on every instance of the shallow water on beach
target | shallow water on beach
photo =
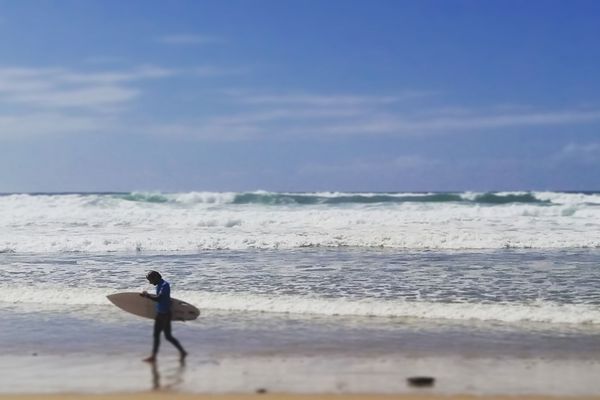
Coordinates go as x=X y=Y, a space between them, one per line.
x=346 y=319
x=558 y=287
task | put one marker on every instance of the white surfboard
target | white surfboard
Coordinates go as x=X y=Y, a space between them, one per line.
x=135 y=304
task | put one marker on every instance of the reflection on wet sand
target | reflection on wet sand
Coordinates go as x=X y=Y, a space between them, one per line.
x=172 y=376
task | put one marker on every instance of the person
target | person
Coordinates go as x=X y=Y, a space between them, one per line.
x=162 y=321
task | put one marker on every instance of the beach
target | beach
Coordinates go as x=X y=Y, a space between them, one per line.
x=304 y=295
x=183 y=396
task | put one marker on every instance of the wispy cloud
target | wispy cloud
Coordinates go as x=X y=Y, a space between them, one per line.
x=210 y=71
x=321 y=100
x=190 y=39
x=586 y=153
x=48 y=101
x=82 y=99
x=387 y=123
x=104 y=60
x=124 y=76
x=362 y=166
x=277 y=123
x=202 y=130
x=46 y=123
x=52 y=88
x=293 y=115
x=576 y=149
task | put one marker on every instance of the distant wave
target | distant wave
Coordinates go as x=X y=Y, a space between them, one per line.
x=308 y=199
x=164 y=222
x=505 y=312
x=334 y=198
x=144 y=197
x=277 y=199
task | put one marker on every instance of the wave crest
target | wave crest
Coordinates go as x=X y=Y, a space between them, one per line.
x=237 y=221
x=504 y=312
x=283 y=199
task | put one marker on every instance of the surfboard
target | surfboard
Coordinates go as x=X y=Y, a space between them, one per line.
x=135 y=304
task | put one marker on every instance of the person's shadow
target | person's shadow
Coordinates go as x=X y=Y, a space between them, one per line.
x=174 y=377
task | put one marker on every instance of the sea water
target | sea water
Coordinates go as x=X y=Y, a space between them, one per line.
x=325 y=292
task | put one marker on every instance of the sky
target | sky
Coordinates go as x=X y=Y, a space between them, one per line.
x=302 y=95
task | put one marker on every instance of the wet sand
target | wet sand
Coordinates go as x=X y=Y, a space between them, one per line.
x=275 y=396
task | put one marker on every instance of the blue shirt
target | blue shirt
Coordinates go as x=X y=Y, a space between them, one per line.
x=163 y=294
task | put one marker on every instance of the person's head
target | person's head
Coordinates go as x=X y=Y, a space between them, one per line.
x=153 y=277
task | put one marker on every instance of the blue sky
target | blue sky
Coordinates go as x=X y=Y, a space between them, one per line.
x=299 y=95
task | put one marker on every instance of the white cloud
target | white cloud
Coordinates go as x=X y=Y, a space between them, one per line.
x=588 y=153
x=317 y=100
x=48 y=101
x=303 y=115
x=71 y=100
x=104 y=60
x=83 y=96
x=208 y=71
x=209 y=130
x=36 y=124
x=320 y=100
x=52 y=88
x=190 y=39
x=112 y=77
x=86 y=97
x=474 y=120
x=278 y=122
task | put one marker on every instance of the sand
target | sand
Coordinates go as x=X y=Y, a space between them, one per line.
x=274 y=396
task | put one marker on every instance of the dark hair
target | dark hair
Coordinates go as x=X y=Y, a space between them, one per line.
x=153 y=275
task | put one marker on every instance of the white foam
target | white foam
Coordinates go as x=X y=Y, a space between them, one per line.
x=537 y=312
x=55 y=296
x=197 y=221
x=569 y=198
x=505 y=312
x=203 y=197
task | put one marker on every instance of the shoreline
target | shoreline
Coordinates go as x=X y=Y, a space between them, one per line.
x=62 y=338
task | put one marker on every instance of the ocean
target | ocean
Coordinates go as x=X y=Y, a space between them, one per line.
x=305 y=292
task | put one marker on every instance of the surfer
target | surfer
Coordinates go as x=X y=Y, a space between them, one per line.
x=162 y=321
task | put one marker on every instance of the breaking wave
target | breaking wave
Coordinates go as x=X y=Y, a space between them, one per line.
x=546 y=312
x=277 y=199
x=109 y=222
